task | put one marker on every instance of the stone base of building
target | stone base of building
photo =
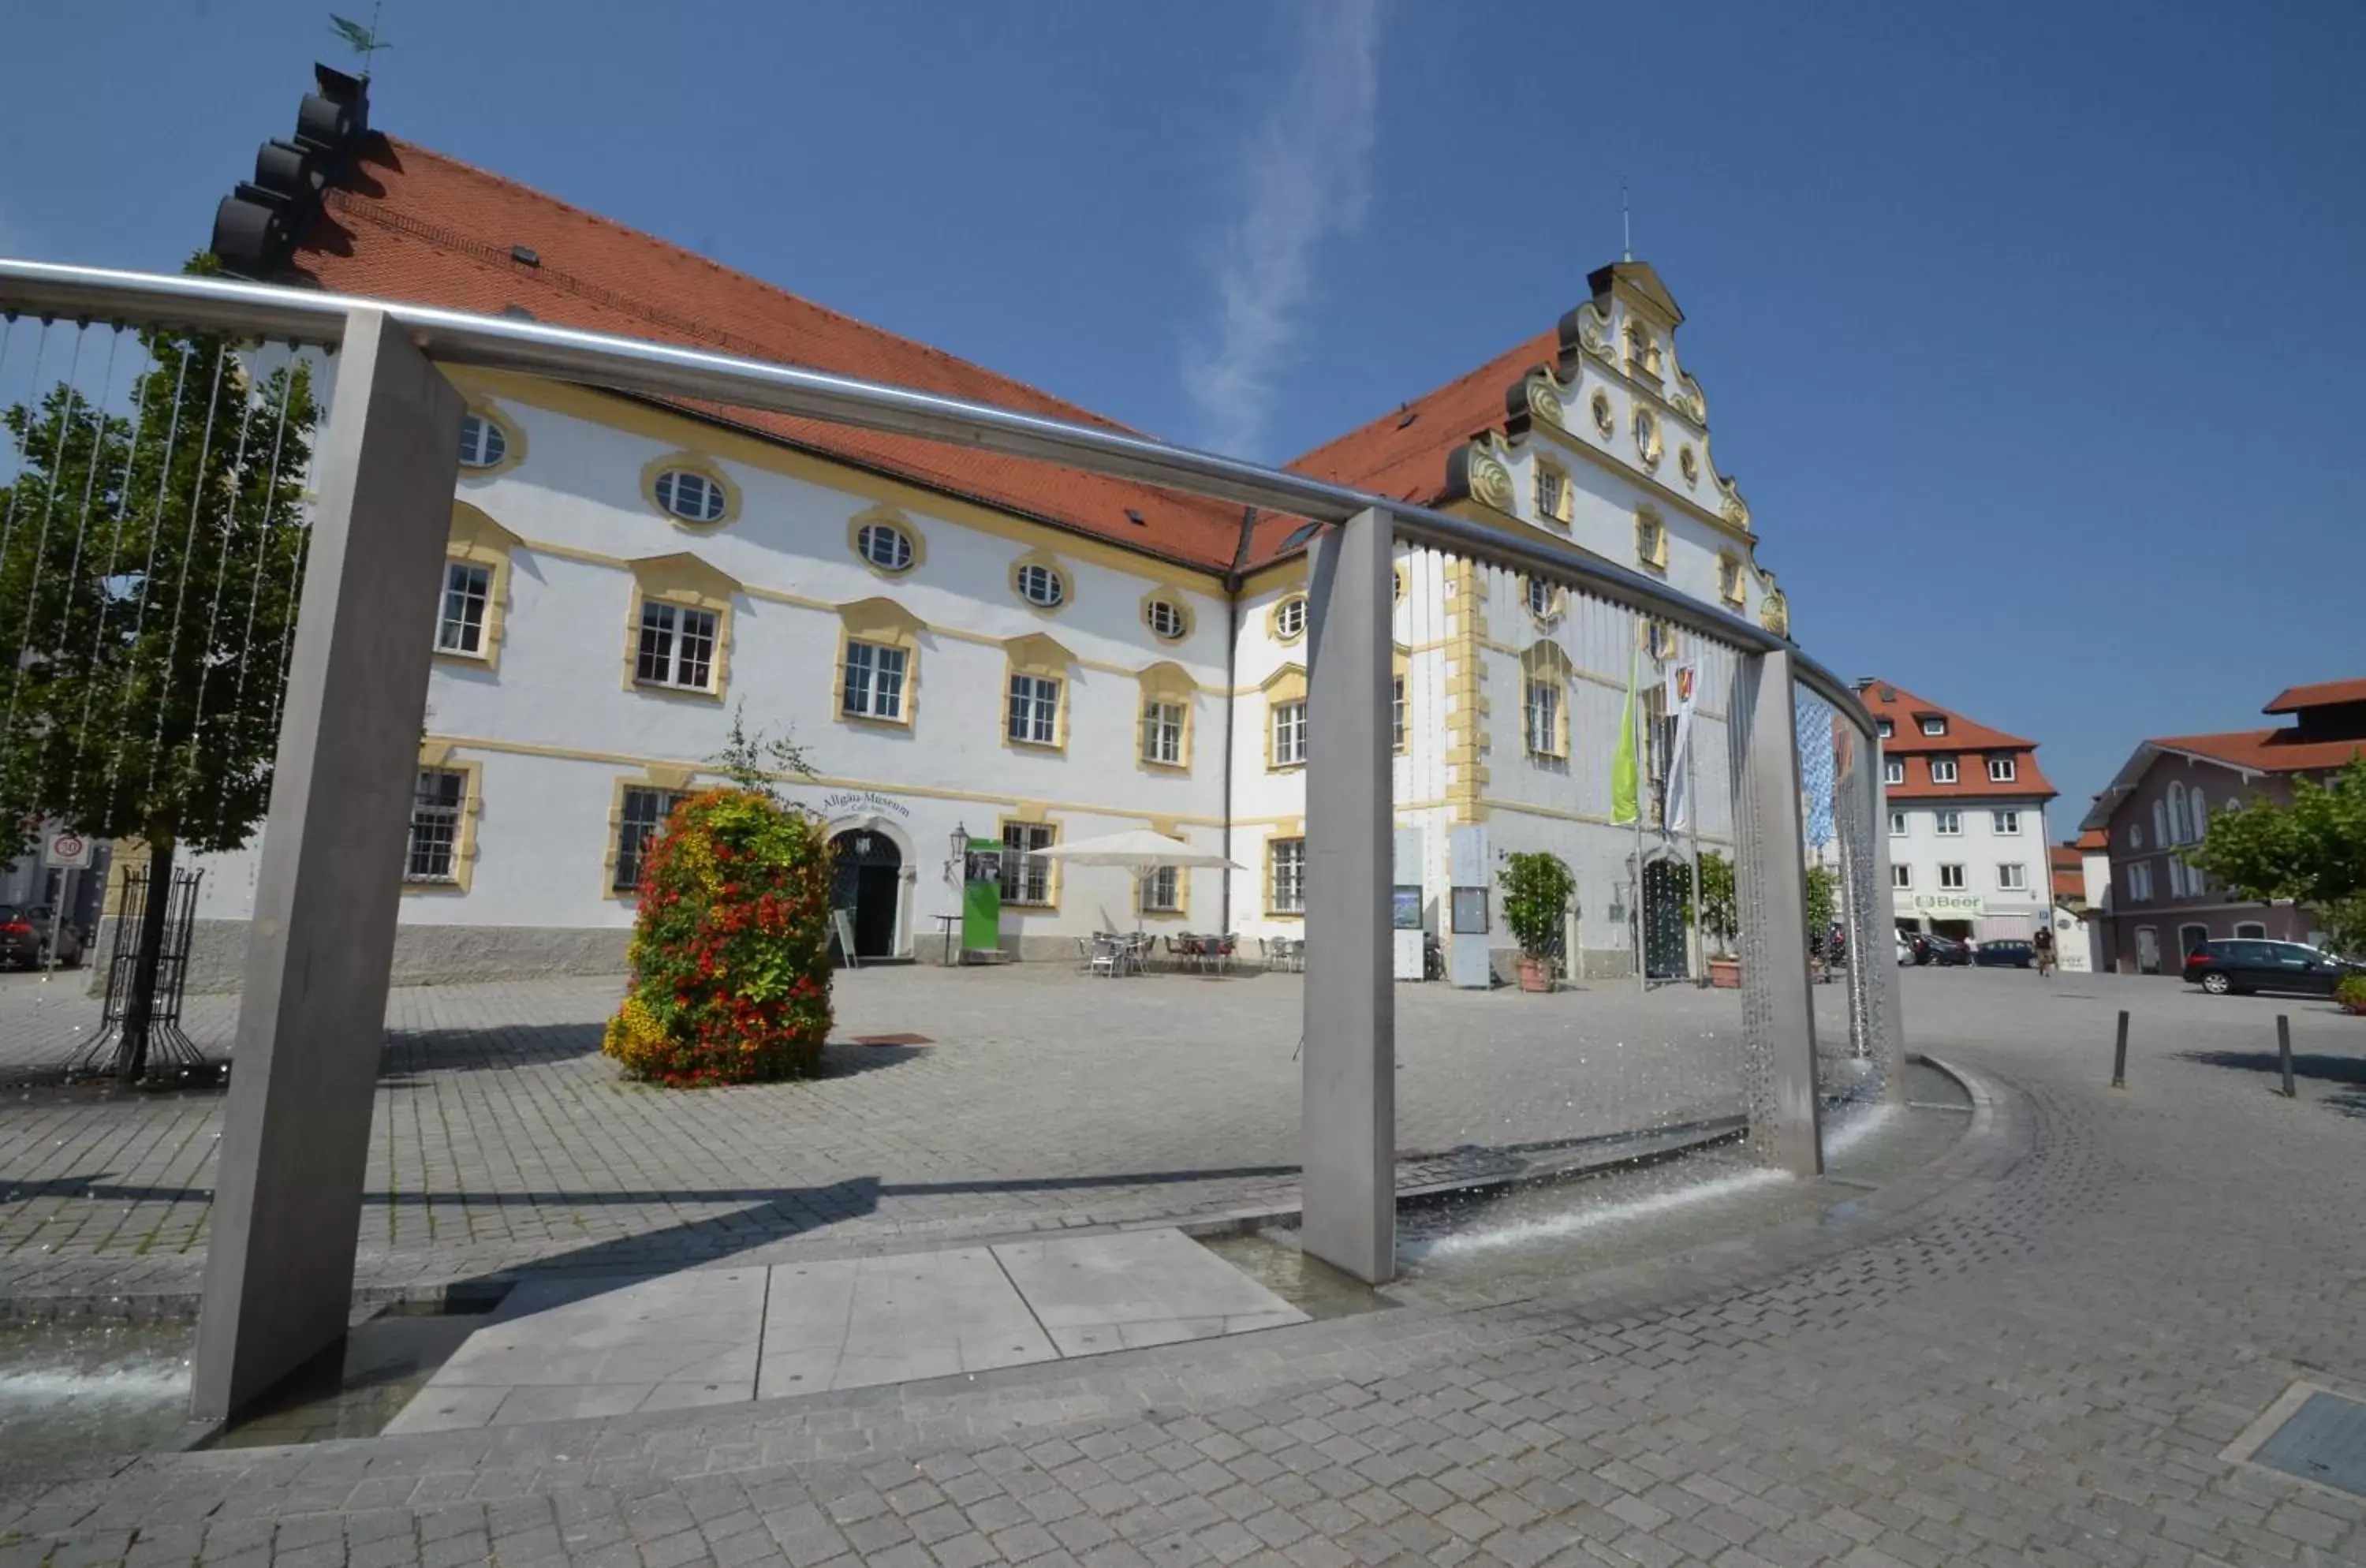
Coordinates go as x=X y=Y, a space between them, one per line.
x=423 y=956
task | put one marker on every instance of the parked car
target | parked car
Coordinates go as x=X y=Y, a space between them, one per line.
x=2244 y=964
x=26 y=933
x=2005 y=953
x=1905 y=951
x=1929 y=947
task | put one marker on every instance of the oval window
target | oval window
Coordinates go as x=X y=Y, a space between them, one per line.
x=1040 y=585
x=1167 y=620
x=692 y=497
x=482 y=445
x=1647 y=435
x=1291 y=619
x=883 y=546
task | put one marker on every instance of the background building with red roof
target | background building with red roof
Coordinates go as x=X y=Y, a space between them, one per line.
x=970 y=643
x=1967 y=843
x=2157 y=808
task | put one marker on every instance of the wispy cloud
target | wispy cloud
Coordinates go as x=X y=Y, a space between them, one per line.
x=1305 y=176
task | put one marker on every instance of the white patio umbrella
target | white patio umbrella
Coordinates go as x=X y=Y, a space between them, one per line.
x=1138 y=850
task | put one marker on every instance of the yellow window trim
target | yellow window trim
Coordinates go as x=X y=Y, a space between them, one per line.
x=512 y=438
x=1168 y=682
x=886 y=624
x=1560 y=515
x=1181 y=914
x=1547 y=663
x=1052 y=564
x=686 y=581
x=1284 y=687
x=705 y=468
x=1045 y=658
x=1273 y=619
x=1036 y=818
x=477 y=539
x=656 y=776
x=1650 y=537
x=438 y=755
x=1732 y=587
x=1174 y=602
x=1297 y=836
x=890 y=517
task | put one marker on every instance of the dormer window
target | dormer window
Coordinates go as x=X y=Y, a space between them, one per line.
x=1886 y=729
x=1943 y=770
x=1933 y=725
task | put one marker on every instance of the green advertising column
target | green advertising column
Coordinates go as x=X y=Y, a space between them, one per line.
x=982 y=896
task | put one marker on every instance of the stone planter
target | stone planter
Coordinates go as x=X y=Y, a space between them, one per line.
x=1725 y=974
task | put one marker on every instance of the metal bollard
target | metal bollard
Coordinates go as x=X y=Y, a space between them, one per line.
x=2283 y=1053
x=2120 y=1055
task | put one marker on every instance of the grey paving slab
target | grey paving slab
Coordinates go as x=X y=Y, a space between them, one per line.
x=563 y=1349
x=1096 y=1293
x=856 y=1322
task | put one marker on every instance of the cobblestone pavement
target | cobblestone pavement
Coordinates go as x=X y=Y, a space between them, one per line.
x=503 y=1141
x=2033 y=1352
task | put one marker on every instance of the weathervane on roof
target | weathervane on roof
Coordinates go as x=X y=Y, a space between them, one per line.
x=1626 y=225
x=363 y=40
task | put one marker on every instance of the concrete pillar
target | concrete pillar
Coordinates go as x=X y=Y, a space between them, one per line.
x=1771 y=889
x=1348 y=1116
x=279 y=1262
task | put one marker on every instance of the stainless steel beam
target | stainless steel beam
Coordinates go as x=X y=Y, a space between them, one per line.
x=1779 y=1014
x=1347 y=1116
x=311 y=1020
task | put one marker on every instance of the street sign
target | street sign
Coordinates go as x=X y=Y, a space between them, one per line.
x=67 y=851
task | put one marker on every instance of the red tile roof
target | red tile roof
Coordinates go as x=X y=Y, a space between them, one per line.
x=2092 y=838
x=413 y=225
x=2069 y=872
x=2265 y=751
x=2324 y=694
x=1971 y=743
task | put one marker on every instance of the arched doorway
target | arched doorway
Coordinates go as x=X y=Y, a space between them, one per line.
x=1667 y=885
x=866 y=881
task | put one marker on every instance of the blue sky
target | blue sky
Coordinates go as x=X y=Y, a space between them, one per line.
x=2032 y=331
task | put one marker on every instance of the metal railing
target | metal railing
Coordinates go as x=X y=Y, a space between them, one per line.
x=280 y=1261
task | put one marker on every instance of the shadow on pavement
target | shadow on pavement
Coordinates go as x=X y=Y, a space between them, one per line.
x=414 y=1054
x=2305 y=1064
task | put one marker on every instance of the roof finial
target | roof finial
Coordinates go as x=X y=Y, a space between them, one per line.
x=1626 y=223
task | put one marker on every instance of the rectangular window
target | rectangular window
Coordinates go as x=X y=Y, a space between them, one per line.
x=1893 y=770
x=1034 y=716
x=1288 y=734
x=1950 y=823
x=1728 y=578
x=1901 y=876
x=436 y=801
x=1951 y=876
x=2176 y=878
x=874 y=680
x=1543 y=708
x=1885 y=727
x=677 y=646
x=644 y=812
x=1943 y=770
x=2139 y=880
x=1934 y=727
x=1897 y=829
x=2002 y=770
x=1289 y=894
x=2012 y=877
x=1026 y=876
x=1162 y=891
x=1552 y=494
x=2005 y=823
x=1162 y=734
x=461 y=627
x=1397 y=713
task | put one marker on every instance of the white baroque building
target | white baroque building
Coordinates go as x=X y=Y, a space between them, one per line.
x=967 y=643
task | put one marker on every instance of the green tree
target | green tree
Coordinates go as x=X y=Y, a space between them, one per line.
x=2312 y=851
x=149 y=577
x=1824 y=900
x=1719 y=910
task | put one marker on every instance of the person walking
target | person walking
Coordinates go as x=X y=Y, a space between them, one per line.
x=2043 y=944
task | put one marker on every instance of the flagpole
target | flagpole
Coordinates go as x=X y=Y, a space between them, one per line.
x=1692 y=826
x=1642 y=769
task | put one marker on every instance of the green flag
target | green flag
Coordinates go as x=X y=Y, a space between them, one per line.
x=1623 y=790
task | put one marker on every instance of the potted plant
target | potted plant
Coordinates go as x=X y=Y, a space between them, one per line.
x=1717 y=920
x=1537 y=892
